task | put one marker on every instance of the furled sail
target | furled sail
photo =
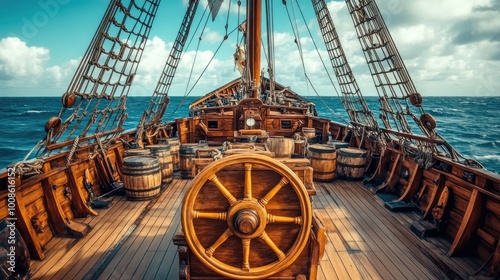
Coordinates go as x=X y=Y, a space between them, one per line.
x=214 y=6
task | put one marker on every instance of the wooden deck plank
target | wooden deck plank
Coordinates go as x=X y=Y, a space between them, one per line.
x=363 y=222
x=326 y=270
x=84 y=257
x=386 y=240
x=439 y=246
x=58 y=246
x=169 y=267
x=132 y=246
x=348 y=218
x=400 y=238
x=156 y=228
x=166 y=259
x=430 y=250
x=166 y=230
x=372 y=267
x=338 y=218
x=415 y=246
x=362 y=267
x=70 y=257
x=365 y=241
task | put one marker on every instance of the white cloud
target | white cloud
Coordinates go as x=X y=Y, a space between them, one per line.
x=24 y=70
x=17 y=60
x=448 y=49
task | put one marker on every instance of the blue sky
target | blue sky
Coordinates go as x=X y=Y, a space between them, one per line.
x=449 y=48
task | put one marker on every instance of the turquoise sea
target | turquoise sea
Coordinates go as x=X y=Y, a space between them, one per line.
x=470 y=124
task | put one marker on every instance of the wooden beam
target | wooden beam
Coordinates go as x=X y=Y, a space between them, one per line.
x=54 y=146
x=439 y=186
x=392 y=179
x=413 y=181
x=463 y=183
x=318 y=242
x=78 y=201
x=469 y=225
x=254 y=14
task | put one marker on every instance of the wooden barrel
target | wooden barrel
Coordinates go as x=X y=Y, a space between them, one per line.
x=174 y=151
x=323 y=161
x=141 y=177
x=162 y=152
x=136 y=152
x=187 y=154
x=281 y=146
x=351 y=163
x=338 y=144
x=13 y=252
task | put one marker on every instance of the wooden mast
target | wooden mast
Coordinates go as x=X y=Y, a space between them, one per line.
x=254 y=15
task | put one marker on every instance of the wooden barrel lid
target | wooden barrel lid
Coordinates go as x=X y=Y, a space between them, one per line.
x=140 y=160
x=352 y=152
x=320 y=148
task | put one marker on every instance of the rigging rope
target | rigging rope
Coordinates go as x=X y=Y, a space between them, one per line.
x=308 y=80
x=95 y=99
x=297 y=38
x=202 y=72
x=271 y=50
x=351 y=96
x=397 y=93
x=159 y=100
x=195 y=56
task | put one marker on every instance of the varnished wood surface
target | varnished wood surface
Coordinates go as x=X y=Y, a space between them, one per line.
x=365 y=241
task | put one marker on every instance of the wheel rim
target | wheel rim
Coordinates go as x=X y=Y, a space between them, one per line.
x=247 y=218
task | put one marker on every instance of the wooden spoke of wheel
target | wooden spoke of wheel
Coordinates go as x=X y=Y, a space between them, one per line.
x=248 y=181
x=230 y=198
x=224 y=236
x=210 y=215
x=273 y=246
x=245 y=242
x=284 y=219
x=265 y=200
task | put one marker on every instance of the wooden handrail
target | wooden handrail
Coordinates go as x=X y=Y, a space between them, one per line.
x=52 y=147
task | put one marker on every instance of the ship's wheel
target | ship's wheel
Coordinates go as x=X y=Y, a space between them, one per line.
x=246 y=216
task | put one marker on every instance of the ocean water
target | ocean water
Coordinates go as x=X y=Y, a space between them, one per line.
x=470 y=124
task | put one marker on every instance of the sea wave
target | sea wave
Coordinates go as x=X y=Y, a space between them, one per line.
x=488 y=157
x=469 y=124
x=35 y=112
